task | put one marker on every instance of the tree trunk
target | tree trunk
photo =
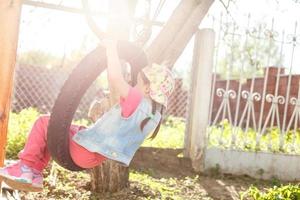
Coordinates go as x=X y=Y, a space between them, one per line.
x=186 y=32
x=170 y=29
x=111 y=176
x=177 y=32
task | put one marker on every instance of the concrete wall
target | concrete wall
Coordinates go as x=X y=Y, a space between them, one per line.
x=258 y=165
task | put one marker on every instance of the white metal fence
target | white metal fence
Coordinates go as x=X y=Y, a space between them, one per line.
x=255 y=100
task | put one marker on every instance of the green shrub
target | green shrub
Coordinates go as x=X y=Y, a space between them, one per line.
x=287 y=192
x=18 y=129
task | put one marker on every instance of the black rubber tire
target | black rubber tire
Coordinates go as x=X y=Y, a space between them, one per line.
x=81 y=78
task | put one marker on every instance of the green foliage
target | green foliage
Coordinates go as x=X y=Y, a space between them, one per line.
x=246 y=58
x=18 y=128
x=275 y=181
x=171 y=134
x=287 y=192
x=39 y=58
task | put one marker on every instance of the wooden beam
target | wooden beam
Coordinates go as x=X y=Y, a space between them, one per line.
x=168 y=45
x=9 y=28
x=81 y=11
x=172 y=27
x=185 y=33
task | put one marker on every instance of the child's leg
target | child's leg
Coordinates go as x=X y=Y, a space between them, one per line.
x=26 y=174
x=35 y=153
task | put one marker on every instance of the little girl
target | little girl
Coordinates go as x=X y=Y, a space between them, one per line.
x=116 y=135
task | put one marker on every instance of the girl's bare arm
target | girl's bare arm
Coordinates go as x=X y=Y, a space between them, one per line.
x=114 y=69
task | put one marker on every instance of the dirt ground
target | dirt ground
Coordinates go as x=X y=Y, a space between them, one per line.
x=217 y=187
x=154 y=178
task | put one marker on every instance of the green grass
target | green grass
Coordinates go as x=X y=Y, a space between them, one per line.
x=172 y=188
x=165 y=187
x=222 y=136
x=283 y=192
x=18 y=127
x=171 y=134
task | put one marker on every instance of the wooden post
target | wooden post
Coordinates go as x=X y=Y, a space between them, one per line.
x=10 y=11
x=196 y=131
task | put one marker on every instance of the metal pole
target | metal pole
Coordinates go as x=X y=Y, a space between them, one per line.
x=195 y=141
x=10 y=11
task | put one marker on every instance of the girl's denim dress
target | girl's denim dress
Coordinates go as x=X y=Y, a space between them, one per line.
x=116 y=137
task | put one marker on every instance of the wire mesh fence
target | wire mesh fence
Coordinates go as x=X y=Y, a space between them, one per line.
x=38 y=87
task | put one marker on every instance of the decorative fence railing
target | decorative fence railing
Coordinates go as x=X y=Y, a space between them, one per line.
x=243 y=119
x=250 y=100
x=254 y=107
x=254 y=119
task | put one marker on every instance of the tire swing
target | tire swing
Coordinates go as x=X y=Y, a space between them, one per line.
x=81 y=78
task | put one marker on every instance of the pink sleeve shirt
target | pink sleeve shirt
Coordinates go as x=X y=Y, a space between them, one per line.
x=131 y=102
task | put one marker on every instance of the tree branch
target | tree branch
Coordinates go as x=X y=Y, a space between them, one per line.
x=171 y=29
x=186 y=32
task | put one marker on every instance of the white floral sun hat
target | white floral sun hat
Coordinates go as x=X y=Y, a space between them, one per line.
x=162 y=82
